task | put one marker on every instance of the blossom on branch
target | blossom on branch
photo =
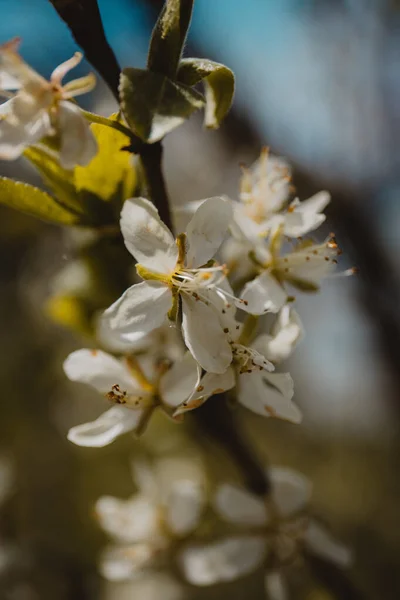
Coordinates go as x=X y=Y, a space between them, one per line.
x=135 y=385
x=38 y=108
x=270 y=531
x=179 y=275
x=151 y=525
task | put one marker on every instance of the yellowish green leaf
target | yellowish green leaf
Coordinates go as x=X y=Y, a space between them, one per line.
x=35 y=202
x=111 y=169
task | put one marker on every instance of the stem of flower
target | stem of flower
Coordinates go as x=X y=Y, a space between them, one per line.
x=334 y=579
x=151 y=157
x=218 y=422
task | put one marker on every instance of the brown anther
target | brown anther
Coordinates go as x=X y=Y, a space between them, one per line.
x=200 y=388
x=226 y=330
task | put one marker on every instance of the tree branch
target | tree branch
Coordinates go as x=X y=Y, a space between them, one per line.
x=84 y=21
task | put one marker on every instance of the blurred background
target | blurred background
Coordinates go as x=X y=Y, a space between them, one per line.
x=319 y=83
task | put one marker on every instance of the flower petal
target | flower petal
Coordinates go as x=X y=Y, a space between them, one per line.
x=78 y=144
x=207 y=229
x=19 y=132
x=262 y=294
x=99 y=370
x=185 y=504
x=204 y=336
x=275 y=586
x=320 y=542
x=291 y=491
x=121 y=563
x=180 y=381
x=306 y=216
x=128 y=521
x=146 y=237
x=141 y=308
x=268 y=394
x=221 y=561
x=104 y=430
x=239 y=506
x=286 y=334
x=210 y=384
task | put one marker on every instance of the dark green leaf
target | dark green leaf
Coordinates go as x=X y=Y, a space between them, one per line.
x=153 y=105
x=169 y=36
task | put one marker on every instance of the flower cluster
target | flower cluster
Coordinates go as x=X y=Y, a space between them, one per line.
x=192 y=323
x=183 y=286
x=166 y=522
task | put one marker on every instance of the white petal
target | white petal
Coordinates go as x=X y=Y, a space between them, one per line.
x=185 y=504
x=146 y=236
x=17 y=134
x=180 y=381
x=306 y=216
x=8 y=82
x=144 y=477
x=222 y=561
x=128 y=521
x=204 y=336
x=78 y=144
x=100 y=370
x=320 y=542
x=122 y=563
x=268 y=394
x=210 y=384
x=141 y=308
x=286 y=334
x=239 y=506
x=104 y=430
x=262 y=294
x=291 y=491
x=275 y=586
x=151 y=585
x=207 y=229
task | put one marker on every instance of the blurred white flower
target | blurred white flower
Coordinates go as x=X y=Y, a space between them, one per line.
x=267 y=394
x=38 y=108
x=271 y=531
x=135 y=385
x=150 y=525
x=150 y=586
x=178 y=273
x=264 y=202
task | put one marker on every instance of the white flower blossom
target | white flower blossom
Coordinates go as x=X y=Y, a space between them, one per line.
x=303 y=267
x=135 y=385
x=147 y=527
x=267 y=394
x=38 y=108
x=264 y=204
x=270 y=531
x=178 y=274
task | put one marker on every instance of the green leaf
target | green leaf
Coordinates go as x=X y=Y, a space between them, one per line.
x=153 y=105
x=169 y=36
x=110 y=172
x=60 y=181
x=35 y=202
x=219 y=83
